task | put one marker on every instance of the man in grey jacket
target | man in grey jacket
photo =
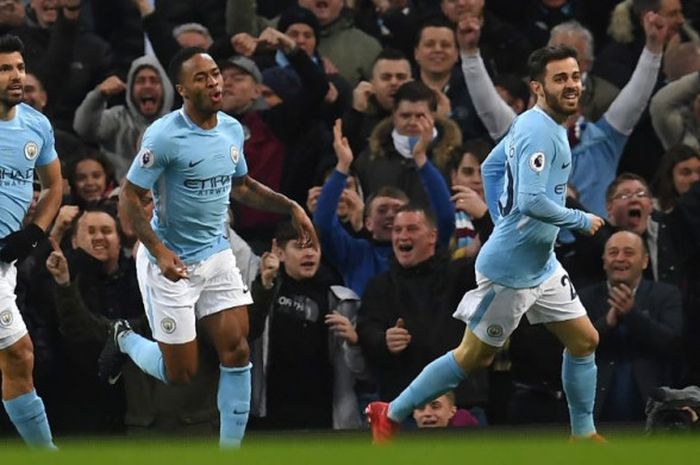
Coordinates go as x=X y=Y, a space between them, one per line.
x=117 y=130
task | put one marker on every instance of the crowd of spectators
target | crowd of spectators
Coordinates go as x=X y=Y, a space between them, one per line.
x=375 y=115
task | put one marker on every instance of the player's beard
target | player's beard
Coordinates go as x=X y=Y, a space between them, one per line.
x=9 y=102
x=554 y=104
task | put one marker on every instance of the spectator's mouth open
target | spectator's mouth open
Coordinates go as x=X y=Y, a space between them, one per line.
x=405 y=247
x=148 y=104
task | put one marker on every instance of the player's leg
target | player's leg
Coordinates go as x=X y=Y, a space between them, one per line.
x=560 y=309
x=228 y=331
x=579 y=371
x=222 y=309
x=442 y=374
x=170 y=308
x=22 y=404
x=491 y=312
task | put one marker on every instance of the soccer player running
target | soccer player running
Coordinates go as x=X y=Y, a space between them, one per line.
x=27 y=143
x=193 y=160
x=525 y=179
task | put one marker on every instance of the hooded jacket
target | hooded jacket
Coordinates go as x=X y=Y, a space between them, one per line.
x=118 y=129
x=381 y=165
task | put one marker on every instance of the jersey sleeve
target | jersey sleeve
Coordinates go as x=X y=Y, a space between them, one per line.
x=150 y=161
x=241 y=165
x=48 y=146
x=535 y=153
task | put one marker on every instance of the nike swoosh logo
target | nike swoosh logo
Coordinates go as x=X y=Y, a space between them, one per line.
x=565 y=165
x=114 y=379
x=236 y=412
x=195 y=163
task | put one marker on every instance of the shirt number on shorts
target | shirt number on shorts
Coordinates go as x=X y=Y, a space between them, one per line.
x=565 y=281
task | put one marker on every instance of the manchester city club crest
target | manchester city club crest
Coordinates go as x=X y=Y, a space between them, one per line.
x=6 y=318
x=235 y=153
x=31 y=150
x=168 y=325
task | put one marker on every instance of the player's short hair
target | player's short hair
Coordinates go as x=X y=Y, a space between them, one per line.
x=11 y=43
x=415 y=91
x=612 y=188
x=430 y=217
x=480 y=148
x=182 y=55
x=540 y=58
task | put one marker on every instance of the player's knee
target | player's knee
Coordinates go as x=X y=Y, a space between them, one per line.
x=19 y=361
x=586 y=345
x=237 y=354
x=181 y=375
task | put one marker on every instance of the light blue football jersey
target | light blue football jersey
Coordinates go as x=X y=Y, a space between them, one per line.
x=190 y=171
x=525 y=178
x=26 y=141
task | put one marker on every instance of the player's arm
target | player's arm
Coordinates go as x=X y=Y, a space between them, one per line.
x=51 y=193
x=252 y=193
x=20 y=244
x=493 y=171
x=131 y=201
x=534 y=166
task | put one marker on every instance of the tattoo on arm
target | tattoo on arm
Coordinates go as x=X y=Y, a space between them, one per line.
x=130 y=198
x=257 y=195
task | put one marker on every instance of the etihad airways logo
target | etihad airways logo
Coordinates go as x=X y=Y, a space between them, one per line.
x=209 y=186
x=12 y=177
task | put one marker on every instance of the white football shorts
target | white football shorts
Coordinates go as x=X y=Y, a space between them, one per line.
x=173 y=308
x=12 y=326
x=492 y=312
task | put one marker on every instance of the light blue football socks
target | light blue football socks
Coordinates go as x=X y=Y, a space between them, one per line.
x=439 y=376
x=233 y=400
x=145 y=354
x=29 y=417
x=578 y=376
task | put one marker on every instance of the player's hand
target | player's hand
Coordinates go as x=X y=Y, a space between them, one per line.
x=170 y=265
x=468 y=34
x=469 y=201
x=19 y=244
x=244 y=44
x=342 y=148
x=304 y=226
x=397 y=337
x=596 y=223
x=426 y=124
x=111 y=86
x=341 y=327
x=269 y=267
x=58 y=265
x=312 y=198
x=621 y=298
x=361 y=94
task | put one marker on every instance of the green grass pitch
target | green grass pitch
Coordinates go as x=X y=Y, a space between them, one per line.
x=513 y=447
